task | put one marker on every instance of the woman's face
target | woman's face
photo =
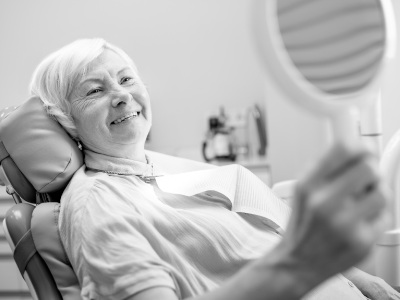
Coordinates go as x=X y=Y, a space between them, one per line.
x=111 y=108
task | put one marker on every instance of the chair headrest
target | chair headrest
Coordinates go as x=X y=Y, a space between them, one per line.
x=43 y=157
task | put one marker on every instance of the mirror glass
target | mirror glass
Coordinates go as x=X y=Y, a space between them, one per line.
x=336 y=45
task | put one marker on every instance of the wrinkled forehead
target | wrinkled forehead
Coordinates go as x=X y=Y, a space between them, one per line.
x=108 y=58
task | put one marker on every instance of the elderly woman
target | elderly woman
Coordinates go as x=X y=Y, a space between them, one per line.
x=126 y=239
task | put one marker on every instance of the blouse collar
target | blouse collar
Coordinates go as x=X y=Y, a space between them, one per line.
x=117 y=165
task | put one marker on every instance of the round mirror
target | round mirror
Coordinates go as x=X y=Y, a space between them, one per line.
x=329 y=56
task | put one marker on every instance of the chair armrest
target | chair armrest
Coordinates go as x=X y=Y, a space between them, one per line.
x=37 y=275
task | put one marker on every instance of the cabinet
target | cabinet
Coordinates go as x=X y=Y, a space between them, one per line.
x=12 y=285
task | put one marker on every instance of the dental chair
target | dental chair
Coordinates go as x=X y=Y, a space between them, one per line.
x=38 y=159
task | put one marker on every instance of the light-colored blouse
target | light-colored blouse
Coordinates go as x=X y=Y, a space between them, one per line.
x=123 y=235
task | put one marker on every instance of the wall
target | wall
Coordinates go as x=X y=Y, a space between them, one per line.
x=193 y=55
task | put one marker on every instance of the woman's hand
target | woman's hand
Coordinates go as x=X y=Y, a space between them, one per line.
x=338 y=214
x=372 y=287
x=378 y=289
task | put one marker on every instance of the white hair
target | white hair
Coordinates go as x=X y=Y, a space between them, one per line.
x=54 y=78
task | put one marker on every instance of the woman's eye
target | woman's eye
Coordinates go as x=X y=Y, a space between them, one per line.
x=125 y=79
x=94 y=91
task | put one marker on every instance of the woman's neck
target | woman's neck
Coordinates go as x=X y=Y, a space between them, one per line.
x=117 y=165
x=122 y=151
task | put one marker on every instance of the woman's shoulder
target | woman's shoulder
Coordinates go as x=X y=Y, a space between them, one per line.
x=82 y=184
x=84 y=192
x=88 y=184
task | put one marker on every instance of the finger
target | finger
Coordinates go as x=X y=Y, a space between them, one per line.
x=337 y=158
x=371 y=205
x=357 y=179
x=364 y=221
x=359 y=211
x=340 y=159
x=379 y=224
x=362 y=234
x=353 y=184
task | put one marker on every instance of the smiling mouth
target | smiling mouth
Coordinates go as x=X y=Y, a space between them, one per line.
x=127 y=117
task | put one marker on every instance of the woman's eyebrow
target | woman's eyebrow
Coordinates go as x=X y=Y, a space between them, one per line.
x=89 y=79
x=123 y=70
x=100 y=79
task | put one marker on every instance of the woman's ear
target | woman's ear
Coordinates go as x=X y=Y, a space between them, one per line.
x=79 y=144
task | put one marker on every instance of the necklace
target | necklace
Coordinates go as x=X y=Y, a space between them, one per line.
x=145 y=178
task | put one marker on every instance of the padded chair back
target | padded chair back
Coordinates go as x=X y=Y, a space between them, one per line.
x=44 y=226
x=38 y=159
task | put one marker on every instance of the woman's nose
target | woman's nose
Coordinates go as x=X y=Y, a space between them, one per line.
x=121 y=96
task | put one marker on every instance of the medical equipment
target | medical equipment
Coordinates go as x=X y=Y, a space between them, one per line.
x=219 y=140
x=330 y=57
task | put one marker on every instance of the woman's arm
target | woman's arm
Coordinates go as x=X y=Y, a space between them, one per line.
x=371 y=286
x=276 y=279
x=338 y=213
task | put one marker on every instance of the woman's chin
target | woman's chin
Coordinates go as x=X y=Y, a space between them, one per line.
x=135 y=138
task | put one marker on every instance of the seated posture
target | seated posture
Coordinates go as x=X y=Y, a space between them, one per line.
x=128 y=239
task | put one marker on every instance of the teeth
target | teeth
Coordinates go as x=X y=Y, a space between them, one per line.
x=131 y=115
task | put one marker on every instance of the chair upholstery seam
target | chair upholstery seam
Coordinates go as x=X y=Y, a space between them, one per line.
x=54 y=179
x=56 y=214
